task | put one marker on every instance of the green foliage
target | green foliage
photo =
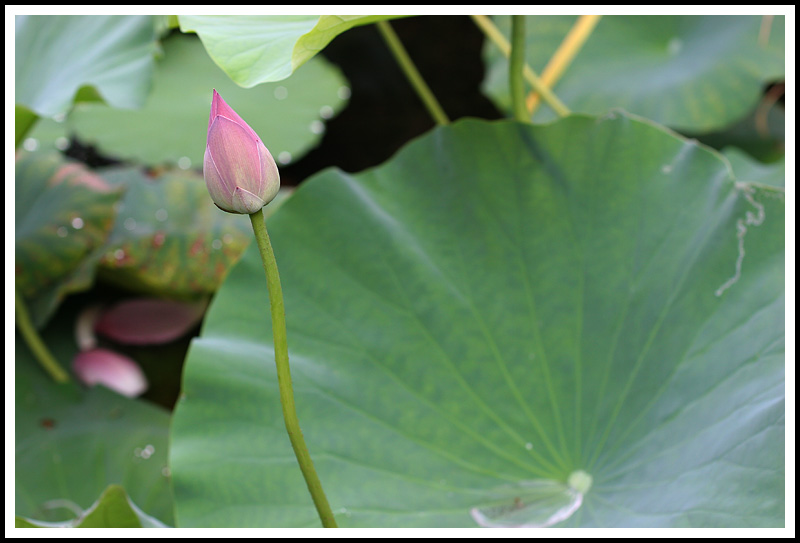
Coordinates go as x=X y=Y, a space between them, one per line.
x=696 y=73
x=261 y=48
x=72 y=443
x=577 y=324
x=57 y=57
x=174 y=120
x=498 y=307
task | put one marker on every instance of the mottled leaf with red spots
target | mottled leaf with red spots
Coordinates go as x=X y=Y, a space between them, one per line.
x=169 y=239
x=63 y=213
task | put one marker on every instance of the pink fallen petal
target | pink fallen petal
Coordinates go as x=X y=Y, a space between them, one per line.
x=148 y=321
x=110 y=369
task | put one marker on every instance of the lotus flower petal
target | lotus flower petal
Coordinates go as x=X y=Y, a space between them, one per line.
x=240 y=173
x=235 y=154
x=245 y=201
x=219 y=190
x=220 y=108
x=269 y=174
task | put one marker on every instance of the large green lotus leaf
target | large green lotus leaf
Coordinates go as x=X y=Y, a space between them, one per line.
x=174 y=121
x=577 y=324
x=255 y=49
x=63 y=213
x=169 y=238
x=109 y=57
x=72 y=443
x=694 y=73
x=114 y=509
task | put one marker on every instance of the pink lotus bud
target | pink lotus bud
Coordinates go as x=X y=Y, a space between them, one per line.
x=110 y=369
x=240 y=174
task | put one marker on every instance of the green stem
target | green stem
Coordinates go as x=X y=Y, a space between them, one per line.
x=37 y=346
x=284 y=375
x=516 y=64
x=493 y=33
x=413 y=75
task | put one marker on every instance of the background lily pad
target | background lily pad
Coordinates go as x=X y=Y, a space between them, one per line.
x=696 y=73
x=71 y=443
x=503 y=306
x=63 y=213
x=47 y=134
x=24 y=119
x=748 y=169
x=172 y=125
x=254 y=49
x=169 y=239
x=114 y=509
x=760 y=136
x=105 y=57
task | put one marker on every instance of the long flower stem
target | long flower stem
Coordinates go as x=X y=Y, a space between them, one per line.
x=413 y=75
x=493 y=33
x=564 y=55
x=516 y=62
x=284 y=375
x=35 y=343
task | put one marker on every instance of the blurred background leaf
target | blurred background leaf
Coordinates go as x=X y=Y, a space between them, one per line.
x=691 y=73
x=168 y=238
x=171 y=127
x=255 y=49
x=114 y=509
x=47 y=134
x=99 y=57
x=750 y=170
x=761 y=134
x=63 y=213
x=24 y=119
